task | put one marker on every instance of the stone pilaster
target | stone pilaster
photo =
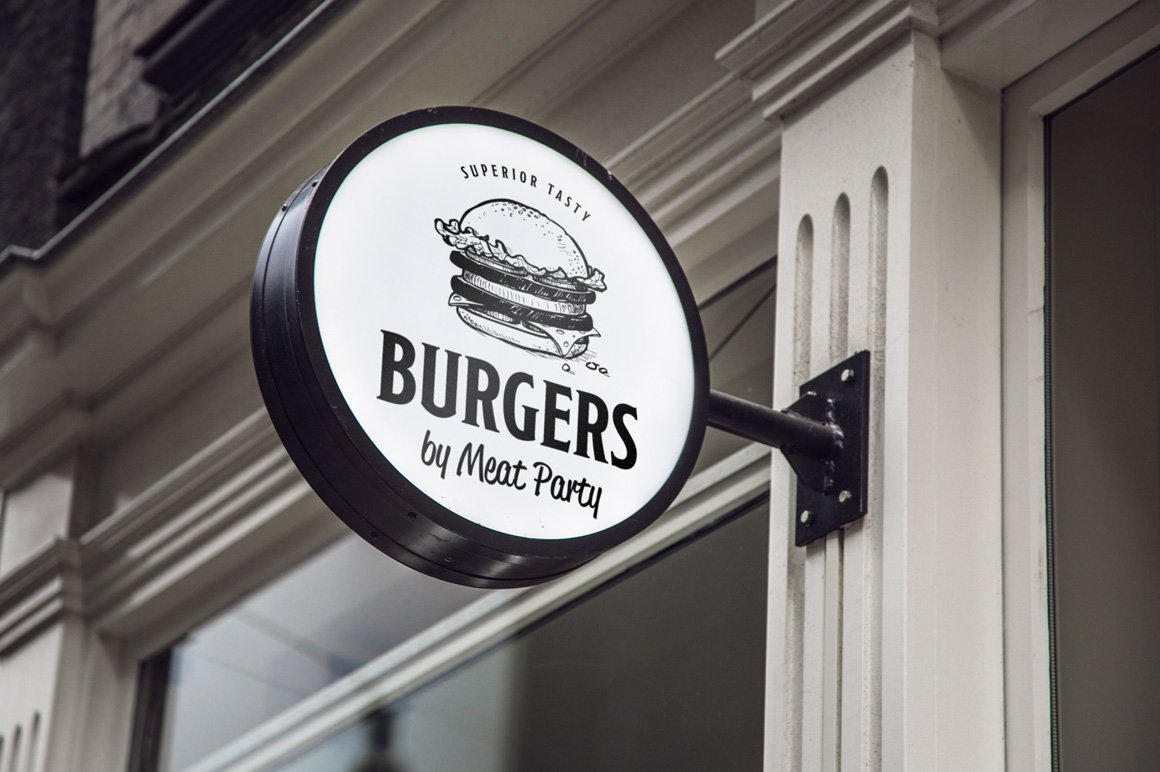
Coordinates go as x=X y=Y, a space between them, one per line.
x=885 y=639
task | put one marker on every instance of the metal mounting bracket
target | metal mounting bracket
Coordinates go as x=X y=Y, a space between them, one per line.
x=824 y=436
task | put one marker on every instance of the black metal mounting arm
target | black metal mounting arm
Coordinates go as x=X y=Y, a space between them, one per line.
x=824 y=436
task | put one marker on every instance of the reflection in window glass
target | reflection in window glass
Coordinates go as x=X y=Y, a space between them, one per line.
x=327 y=617
x=661 y=670
x=738 y=325
x=1104 y=325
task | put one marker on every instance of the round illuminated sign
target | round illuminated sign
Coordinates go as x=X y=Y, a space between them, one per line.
x=478 y=348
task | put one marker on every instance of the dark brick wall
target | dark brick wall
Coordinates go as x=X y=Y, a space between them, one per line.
x=43 y=70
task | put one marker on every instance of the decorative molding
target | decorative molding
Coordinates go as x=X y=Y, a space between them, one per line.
x=238 y=496
x=171 y=538
x=16 y=253
x=22 y=300
x=707 y=173
x=802 y=47
x=39 y=591
x=206 y=471
x=954 y=15
x=711 y=130
x=577 y=54
x=210 y=339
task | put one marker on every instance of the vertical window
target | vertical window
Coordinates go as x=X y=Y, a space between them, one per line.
x=1104 y=422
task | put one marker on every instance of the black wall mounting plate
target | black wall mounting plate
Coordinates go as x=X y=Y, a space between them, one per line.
x=833 y=492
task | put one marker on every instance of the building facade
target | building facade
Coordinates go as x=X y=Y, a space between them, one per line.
x=968 y=189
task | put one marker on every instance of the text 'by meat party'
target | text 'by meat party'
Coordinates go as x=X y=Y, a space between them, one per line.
x=474 y=461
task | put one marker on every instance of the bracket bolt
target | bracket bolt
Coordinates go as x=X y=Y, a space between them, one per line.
x=847 y=375
x=806 y=517
x=844 y=496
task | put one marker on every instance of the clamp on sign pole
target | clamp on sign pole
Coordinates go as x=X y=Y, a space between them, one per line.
x=824 y=436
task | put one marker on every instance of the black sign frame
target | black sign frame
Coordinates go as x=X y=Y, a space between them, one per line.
x=336 y=456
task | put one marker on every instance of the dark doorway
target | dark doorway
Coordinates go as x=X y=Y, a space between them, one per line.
x=1104 y=423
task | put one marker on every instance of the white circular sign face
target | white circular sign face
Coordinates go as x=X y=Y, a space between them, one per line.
x=505 y=330
x=478 y=348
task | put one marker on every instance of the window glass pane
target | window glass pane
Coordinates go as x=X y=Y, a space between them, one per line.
x=317 y=623
x=662 y=669
x=739 y=337
x=1105 y=409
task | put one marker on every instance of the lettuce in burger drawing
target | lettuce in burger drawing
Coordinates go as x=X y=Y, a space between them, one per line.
x=524 y=280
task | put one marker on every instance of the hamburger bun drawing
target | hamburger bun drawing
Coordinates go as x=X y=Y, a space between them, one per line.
x=524 y=280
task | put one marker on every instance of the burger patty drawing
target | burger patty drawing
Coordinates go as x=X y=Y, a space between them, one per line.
x=524 y=279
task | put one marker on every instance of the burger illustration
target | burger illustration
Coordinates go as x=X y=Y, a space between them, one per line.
x=524 y=280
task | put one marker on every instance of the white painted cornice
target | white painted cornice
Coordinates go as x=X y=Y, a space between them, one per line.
x=802 y=47
x=184 y=536
x=716 y=134
x=174 y=545
x=955 y=14
x=38 y=592
x=576 y=55
x=706 y=174
x=234 y=453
